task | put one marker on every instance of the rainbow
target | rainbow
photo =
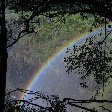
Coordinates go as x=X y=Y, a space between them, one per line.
x=58 y=51
x=43 y=66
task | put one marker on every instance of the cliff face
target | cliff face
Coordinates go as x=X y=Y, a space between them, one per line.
x=21 y=66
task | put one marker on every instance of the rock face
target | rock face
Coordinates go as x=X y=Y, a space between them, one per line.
x=54 y=80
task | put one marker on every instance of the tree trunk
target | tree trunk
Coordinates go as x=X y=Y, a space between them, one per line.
x=3 y=55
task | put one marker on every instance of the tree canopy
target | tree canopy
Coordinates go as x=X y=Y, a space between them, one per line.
x=29 y=9
x=55 y=7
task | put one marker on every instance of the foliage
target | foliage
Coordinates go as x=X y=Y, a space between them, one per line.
x=30 y=9
x=51 y=34
x=55 y=7
x=91 y=59
x=46 y=103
